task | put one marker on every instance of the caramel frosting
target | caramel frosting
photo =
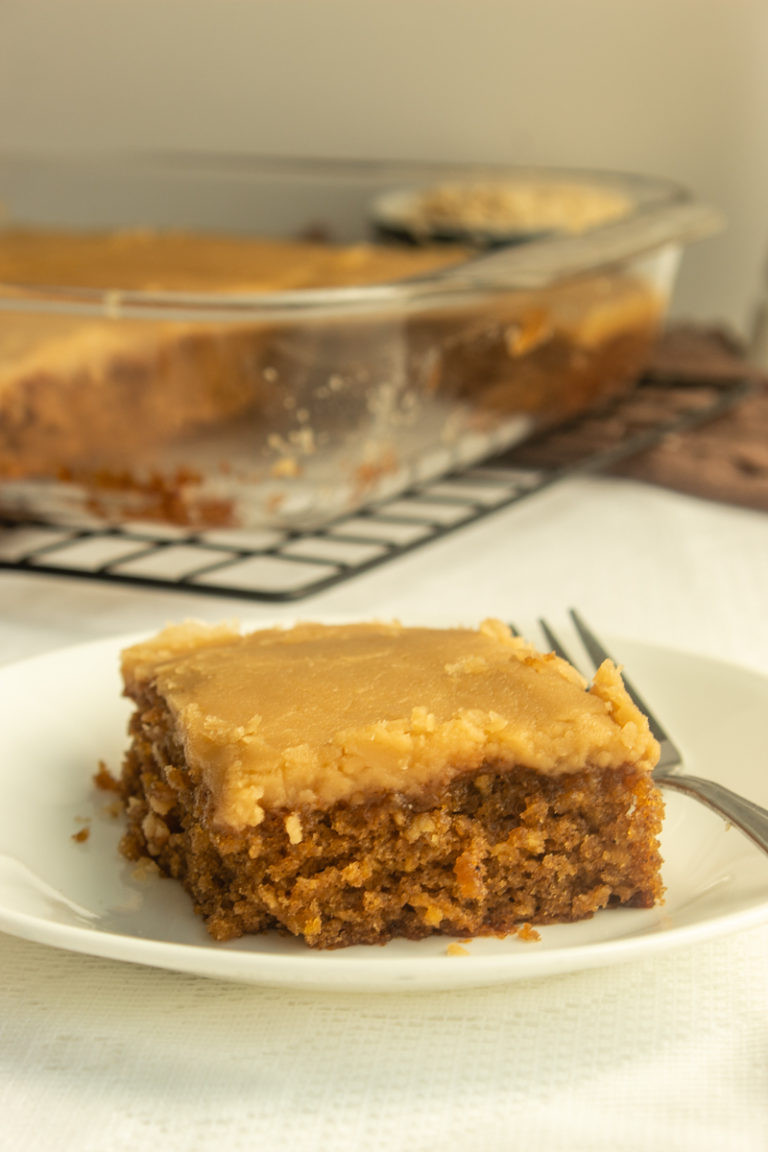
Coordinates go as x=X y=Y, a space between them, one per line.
x=148 y=261
x=315 y=714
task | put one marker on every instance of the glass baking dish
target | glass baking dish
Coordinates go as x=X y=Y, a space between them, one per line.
x=254 y=343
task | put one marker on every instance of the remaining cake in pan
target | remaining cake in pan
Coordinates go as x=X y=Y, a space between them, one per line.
x=352 y=783
x=211 y=379
x=90 y=391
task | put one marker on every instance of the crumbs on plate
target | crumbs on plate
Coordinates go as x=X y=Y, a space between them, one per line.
x=525 y=932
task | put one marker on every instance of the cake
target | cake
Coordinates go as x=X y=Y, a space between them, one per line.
x=186 y=377
x=87 y=393
x=351 y=783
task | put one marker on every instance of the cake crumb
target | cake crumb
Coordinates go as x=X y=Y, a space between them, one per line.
x=456 y=950
x=285 y=466
x=104 y=780
x=81 y=836
x=293 y=828
x=528 y=933
x=145 y=868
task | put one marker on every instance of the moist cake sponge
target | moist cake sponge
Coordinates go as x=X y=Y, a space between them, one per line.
x=351 y=783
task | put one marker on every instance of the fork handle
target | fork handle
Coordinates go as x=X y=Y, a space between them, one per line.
x=742 y=813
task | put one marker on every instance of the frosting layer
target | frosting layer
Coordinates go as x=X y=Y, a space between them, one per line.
x=316 y=714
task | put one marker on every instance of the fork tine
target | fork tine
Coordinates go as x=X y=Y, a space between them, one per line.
x=593 y=646
x=551 y=639
x=598 y=653
x=670 y=757
x=555 y=644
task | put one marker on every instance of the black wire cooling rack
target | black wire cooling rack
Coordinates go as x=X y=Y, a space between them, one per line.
x=291 y=565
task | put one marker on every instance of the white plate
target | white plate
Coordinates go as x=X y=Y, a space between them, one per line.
x=61 y=713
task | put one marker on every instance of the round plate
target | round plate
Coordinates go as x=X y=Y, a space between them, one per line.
x=62 y=713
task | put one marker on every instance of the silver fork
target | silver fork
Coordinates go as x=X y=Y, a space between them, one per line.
x=735 y=809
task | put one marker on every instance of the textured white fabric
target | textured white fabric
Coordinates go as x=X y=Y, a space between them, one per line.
x=665 y=1053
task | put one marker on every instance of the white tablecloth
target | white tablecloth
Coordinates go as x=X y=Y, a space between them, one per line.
x=669 y=1052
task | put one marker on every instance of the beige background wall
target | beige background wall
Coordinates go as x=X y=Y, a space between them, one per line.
x=674 y=87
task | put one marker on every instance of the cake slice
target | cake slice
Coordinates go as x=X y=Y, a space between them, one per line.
x=352 y=783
